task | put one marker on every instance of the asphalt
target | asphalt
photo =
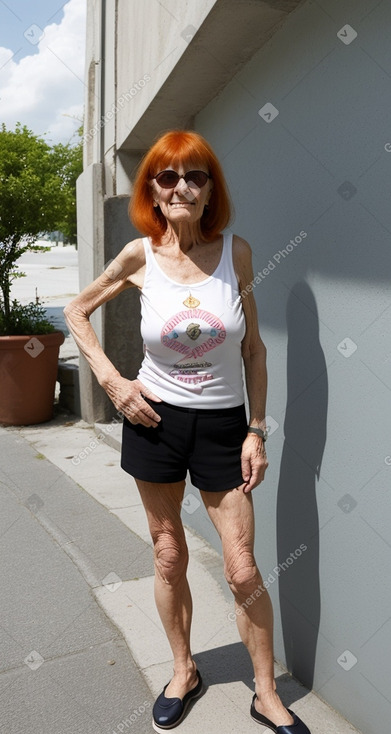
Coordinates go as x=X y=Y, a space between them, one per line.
x=84 y=651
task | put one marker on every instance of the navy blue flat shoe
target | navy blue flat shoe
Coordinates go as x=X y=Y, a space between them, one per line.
x=169 y=712
x=298 y=726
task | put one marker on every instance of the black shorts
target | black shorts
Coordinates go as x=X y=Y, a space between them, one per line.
x=208 y=443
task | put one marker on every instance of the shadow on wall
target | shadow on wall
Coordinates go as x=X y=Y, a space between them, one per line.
x=297 y=513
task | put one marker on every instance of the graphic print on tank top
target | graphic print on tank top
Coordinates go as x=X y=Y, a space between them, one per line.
x=193 y=333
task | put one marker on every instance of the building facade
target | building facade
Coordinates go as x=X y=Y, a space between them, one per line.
x=294 y=97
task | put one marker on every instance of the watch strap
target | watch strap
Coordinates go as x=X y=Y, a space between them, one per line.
x=259 y=432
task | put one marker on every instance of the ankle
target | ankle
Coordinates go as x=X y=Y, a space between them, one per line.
x=185 y=670
x=266 y=695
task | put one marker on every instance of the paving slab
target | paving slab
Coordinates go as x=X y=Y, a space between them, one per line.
x=129 y=603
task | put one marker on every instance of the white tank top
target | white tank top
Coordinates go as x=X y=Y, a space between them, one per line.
x=192 y=335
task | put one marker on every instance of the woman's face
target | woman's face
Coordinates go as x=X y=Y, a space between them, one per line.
x=184 y=202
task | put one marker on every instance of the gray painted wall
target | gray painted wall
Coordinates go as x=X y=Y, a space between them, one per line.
x=321 y=167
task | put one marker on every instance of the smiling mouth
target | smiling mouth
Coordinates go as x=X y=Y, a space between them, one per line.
x=182 y=203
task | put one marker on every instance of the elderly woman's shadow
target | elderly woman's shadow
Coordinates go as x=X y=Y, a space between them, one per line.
x=297 y=513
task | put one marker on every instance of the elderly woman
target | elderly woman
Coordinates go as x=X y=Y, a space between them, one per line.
x=185 y=411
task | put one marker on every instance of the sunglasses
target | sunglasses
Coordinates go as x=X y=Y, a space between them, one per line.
x=169 y=179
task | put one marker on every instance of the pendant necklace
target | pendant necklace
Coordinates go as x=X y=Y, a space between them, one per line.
x=191 y=302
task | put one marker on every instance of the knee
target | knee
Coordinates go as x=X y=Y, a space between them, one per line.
x=171 y=558
x=242 y=574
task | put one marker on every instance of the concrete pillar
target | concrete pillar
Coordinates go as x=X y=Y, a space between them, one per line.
x=90 y=236
x=103 y=230
x=121 y=316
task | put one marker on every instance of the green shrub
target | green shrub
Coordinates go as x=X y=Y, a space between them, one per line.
x=24 y=320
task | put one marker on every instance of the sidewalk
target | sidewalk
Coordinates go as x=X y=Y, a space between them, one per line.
x=84 y=647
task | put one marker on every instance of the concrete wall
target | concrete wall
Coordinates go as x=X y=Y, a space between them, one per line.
x=103 y=230
x=311 y=193
x=156 y=36
x=93 y=401
x=123 y=343
x=302 y=129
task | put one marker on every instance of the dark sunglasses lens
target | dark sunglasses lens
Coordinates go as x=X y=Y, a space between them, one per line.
x=199 y=178
x=167 y=179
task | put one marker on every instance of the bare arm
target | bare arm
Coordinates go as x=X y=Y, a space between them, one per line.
x=254 y=461
x=122 y=273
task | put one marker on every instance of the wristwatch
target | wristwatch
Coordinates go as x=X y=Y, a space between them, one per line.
x=258 y=431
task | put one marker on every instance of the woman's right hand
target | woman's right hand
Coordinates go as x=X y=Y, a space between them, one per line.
x=128 y=397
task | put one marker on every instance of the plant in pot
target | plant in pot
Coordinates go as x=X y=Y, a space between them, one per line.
x=31 y=198
x=28 y=364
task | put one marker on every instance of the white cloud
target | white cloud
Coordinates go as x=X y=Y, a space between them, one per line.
x=46 y=90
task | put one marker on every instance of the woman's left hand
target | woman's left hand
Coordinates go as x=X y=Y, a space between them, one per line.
x=254 y=462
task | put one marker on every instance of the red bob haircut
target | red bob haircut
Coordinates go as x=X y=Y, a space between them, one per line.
x=189 y=149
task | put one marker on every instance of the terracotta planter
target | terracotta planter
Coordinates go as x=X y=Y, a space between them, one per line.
x=28 y=371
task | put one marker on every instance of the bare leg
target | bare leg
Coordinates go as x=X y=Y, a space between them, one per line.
x=162 y=503
x=232 y=514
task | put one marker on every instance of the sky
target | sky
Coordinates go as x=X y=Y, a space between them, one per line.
x=42 y=47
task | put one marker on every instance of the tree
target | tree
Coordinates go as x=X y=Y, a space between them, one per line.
x=37 y=195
